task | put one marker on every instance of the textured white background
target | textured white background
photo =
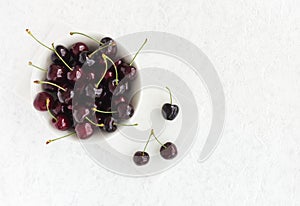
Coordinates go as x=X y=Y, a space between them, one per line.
x=254 y=46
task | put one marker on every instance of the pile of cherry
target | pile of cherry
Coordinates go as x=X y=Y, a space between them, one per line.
x=79 y=86
x=84 y=90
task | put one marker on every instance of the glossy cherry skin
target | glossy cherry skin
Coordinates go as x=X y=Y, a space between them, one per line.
x=56 y=73
x=84 y=130
x=128 y=71
x=124 y=111
x=61 y=108
x=63 y=52
x=63 y=122
x=80 y=113
x=110 y=51
x=141 y=158
x=39 y=102
x=109 y=124
x=74 y=75
x=78 y=47
x=65 y=96
x=83 y=58
x=168 y=151
x=169 y=111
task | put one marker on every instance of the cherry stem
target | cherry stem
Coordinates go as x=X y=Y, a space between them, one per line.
x=93 y=123
x=52 y=140
x=152 y=132
x=29 y=32
x=104 y=112
x=53 y=49
x=45 y=82
x=113 y=63
x=99 y=42
x=48 y=110
x=138 y=52
x=170 y=94
x=39 y=68
x=100 y=48
x=120 y=124
x=147 y=142
x=106 y=68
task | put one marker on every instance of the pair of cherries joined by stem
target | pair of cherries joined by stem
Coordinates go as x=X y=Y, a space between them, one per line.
x=72 y=65
x=167 y=151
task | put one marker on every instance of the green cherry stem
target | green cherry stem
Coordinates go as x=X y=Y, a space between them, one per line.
x=79 y=33
x=52 y=140
x=53 y=49
x=93 y=123
x=147 y=142
x=138 y=52
x=152 y=132
x=104 y=112
x=37 y=67
x=106 y=68
x=29 y=32
x=170 y=94
x=120 y=124
x=45 y=82
x=100 y=48
x=48 y=110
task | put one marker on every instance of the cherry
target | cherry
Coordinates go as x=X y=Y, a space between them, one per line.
x=40 y=100
x=66 y=95
x=112 y=85
x=124 y=111
x=119 y=100
x=141 y=158
x=85 y=59
x=61 y=108
x=56 y=73
x=128 y=71
x=119 y=89
x=49 y=87
x=78 y=47
x=168 y=150
x=110 y=50
x=61 y=51
x=80 y=113
x=76 y=74
x=84 y=130
x=62 y=122
x=169 y=110
x=109 y=124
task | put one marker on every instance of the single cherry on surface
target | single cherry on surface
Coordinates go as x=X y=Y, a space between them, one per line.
x=142 y=157
x=169 y=111
x=168 y=150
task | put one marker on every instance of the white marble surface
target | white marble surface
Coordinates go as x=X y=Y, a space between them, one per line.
x=254 y=46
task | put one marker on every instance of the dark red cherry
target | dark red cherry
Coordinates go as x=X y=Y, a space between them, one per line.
x=110 y=51
x=76 y=74
x=63 y=52
x=169 y=111
x=85 y=59
x=121 y=88
x=78 y=47
x=168 y=151
x=80 y=113
x=119 y=99
x=61 y=108
x=84 y=130
x=112 y=84
x=109 y=124
x=39 y=102
x=65 y=96
x=63 y=122
x=124 y=111
x=56 y=72
x=141 y=158
x=128 y=71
